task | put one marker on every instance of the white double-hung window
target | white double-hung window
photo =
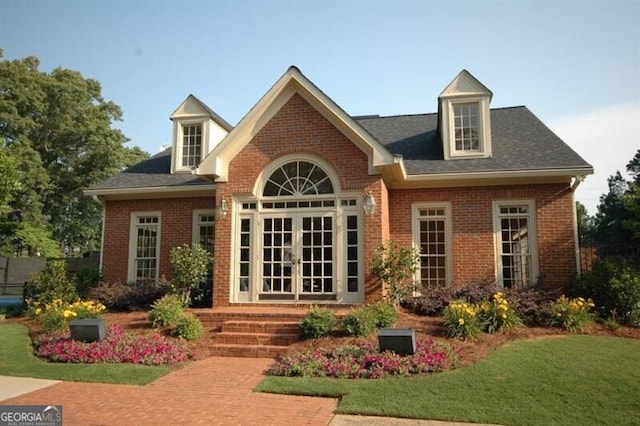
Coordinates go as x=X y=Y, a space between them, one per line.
x=144 y=247
x=516 y=247
x=191 y=149
x=432 y=236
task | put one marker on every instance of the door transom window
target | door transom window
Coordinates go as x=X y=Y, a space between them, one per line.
x=298 y=178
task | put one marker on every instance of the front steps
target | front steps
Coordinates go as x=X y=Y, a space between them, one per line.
x=254 y=332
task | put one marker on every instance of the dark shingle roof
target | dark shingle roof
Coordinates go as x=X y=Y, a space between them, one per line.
x=520 y=141
x=152 y=172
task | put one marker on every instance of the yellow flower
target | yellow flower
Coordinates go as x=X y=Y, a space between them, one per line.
x=504 y=316
x=461 y=321
x=67 y=313
x=38 y=311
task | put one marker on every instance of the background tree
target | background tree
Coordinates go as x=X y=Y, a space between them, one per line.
x=59 y=129
x=586 y=226
x=617 y=223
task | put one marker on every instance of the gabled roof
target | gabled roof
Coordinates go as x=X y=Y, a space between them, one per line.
x=194 y=107
x=150 y=175
x=465 y=84
x=292 y=82
x=521 y=142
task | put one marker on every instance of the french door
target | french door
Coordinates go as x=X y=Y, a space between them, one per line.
x=298 y=253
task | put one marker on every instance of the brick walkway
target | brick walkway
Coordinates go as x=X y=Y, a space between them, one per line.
x=213 y=391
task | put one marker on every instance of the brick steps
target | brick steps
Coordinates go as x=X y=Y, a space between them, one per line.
x=250 y=334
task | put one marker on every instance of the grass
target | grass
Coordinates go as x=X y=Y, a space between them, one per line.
x=573 y=380
x=17 y=359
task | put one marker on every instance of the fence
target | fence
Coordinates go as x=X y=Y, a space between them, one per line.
x=590 y=254
x=15 y=272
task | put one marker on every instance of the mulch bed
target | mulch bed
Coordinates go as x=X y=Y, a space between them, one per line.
x=425 y=327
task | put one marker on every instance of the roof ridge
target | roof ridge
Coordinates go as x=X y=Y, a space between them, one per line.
x=378 y=116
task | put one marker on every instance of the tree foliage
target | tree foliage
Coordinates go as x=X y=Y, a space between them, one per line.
x=56 y=136
x=586 y=225
x=394 y=266
x=617 y=222
x=190 y=267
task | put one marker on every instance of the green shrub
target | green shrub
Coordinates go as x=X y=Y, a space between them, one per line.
x=188 y=327
x=496 y=314
x=86 y=279
x=51 y=284
x=475 y=292
x=611 y=324
x=614 y=286
x=529 y=303
x=117 y=296
x=12 y=311
x=431 y=302
x=461 y=319
x=571 y=314
x=360 y=322
x=166 y=311
x=394 y=266
x=384 y=313
x=190 y=267
x=318 y=322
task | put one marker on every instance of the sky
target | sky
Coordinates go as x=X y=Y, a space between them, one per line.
x=574 y=64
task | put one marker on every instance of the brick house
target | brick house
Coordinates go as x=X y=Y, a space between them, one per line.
x=295 y=198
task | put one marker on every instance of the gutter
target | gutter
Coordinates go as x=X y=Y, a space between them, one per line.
x=577 y=180
x=100 y=201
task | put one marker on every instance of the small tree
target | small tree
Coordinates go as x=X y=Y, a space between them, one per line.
x=190 y=266
x=394 y=266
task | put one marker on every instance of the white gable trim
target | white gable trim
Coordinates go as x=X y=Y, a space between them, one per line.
x=292 y=82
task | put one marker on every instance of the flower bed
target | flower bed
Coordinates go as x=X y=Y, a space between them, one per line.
x=364 y=361
x=118 y=346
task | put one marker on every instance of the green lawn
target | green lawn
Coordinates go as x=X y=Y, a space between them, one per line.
x=573 y=380
x=17 y=359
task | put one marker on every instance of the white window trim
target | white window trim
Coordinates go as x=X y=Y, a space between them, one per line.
x=497 y=237
x=133 y=241
x=484 y=128
x=195 y=223
x=448 y=229
x=178 y=141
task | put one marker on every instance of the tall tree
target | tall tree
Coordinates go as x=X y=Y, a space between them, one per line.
x=618 y=217
x=585 y=225
x=60 y=129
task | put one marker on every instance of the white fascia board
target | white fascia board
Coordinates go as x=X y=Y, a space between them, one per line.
x=490 y=178
x=156 y=190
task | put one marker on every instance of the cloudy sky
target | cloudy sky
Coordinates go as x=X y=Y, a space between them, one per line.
x=575 y=64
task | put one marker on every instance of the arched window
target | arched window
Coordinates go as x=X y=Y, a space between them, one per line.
x=298 y=178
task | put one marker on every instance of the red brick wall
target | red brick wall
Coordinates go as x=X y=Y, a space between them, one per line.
x=176 y=229
x=472 y=227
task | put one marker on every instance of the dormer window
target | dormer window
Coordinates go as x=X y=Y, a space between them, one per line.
x=465 y=121
x=191 y=145
x=465 y=127
x=196 y=131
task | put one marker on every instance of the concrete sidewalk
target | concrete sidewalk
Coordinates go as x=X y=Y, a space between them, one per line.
x=11 y=387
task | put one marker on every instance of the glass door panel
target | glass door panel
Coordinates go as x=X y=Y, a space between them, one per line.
x=317 y=275
x=277 y=256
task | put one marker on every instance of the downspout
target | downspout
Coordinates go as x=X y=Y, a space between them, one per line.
x=577 y=180
x=100 y=201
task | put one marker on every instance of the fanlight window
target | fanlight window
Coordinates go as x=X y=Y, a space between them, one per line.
x=298 y=178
